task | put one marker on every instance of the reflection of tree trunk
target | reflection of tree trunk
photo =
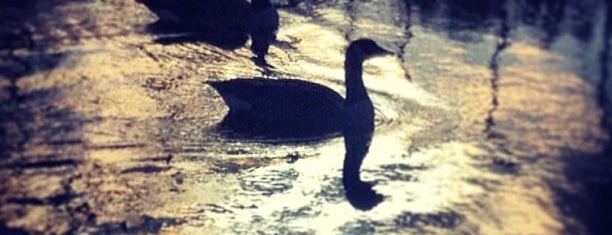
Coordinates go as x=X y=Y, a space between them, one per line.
x=552 y=20
x=494 y=66
x=407 y=35
x=604 y=57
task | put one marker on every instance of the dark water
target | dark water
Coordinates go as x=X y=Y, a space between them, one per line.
x=492 y=119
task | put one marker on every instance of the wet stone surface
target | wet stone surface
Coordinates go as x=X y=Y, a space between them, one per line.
x=492 y=119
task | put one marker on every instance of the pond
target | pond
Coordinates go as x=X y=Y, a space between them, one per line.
x=491 y=117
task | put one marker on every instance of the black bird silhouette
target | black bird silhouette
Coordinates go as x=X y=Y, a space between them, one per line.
x=264 y=24
x=224 y=24
x=291 y=108
x=296 y=109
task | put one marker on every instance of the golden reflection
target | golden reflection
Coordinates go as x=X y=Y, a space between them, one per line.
x=386 y=75
x=555 y=119
x=545 y=108
x=141 y=125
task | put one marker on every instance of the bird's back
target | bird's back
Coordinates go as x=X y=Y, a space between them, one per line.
x=280 y=106
x=276 y=94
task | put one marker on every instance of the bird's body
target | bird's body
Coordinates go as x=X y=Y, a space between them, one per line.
x=296 y=108
x=304 y=97
x=224 y=24
x=270 y=107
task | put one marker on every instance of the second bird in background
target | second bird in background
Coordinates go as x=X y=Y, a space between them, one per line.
x=224 y=24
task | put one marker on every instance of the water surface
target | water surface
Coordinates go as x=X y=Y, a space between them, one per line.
x=488 y=121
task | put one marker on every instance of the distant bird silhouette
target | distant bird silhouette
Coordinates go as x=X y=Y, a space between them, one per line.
x=263 y=27
x=290 y=108
x=224 y=24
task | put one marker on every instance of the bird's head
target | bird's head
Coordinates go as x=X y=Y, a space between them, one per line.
x=364 y=48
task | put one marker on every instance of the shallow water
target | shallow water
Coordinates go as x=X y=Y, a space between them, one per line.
x=488 y=121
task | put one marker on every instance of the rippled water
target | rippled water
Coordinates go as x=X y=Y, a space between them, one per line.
x=428 y=158
x=488 y=121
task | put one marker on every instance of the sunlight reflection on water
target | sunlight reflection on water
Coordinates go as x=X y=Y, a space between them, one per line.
x=473 y=136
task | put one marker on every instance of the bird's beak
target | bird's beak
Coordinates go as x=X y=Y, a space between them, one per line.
x=388 y=52
x=384 y=51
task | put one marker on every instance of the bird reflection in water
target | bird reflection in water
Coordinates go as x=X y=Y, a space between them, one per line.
x=291 y=108
x=357 y=143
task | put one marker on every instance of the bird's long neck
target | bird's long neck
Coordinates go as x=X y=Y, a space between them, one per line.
x=355 y=90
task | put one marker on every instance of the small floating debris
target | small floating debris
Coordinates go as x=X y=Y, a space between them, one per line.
x=292 y=157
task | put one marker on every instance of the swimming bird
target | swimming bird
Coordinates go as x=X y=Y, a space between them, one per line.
x=224 y=24
x=292 y=108
x=263 y=27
